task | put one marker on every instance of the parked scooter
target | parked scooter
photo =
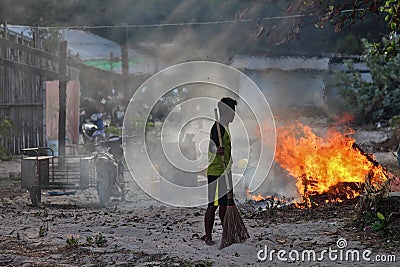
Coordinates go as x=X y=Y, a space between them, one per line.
x=110 y=170
x=93 y=131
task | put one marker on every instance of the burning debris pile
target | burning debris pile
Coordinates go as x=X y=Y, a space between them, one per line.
x=328 y=167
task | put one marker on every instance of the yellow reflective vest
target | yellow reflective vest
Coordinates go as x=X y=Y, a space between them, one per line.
x=215 y=166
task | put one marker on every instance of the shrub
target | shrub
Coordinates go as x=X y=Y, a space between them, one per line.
x=378 y=99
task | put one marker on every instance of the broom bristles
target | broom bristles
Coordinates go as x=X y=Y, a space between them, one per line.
x=234 y=230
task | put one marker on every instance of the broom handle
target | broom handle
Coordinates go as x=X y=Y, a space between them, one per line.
x=228 y=186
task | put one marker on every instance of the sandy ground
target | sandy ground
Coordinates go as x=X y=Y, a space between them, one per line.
x=143 y=232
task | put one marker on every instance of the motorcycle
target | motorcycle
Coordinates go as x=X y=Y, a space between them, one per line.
x=93 y=130
x=110 y=170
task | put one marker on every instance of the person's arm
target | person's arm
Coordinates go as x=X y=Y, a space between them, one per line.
x=214 y=146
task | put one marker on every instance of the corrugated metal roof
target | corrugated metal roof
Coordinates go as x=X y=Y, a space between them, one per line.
x=282 y=63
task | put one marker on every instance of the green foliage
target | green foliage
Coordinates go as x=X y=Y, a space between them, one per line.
x=272 y=207
x=5 y=127
x=379 y=99
x=73 y=241
x=112 y=130
x=394 y=123
x=273 y=35
x=98 y=240
x=42 y=231
x=374 y=210
x=50 y=40
x=348 y=45
x=391 y=47
x=5 y=131
x=4 y=155
x=43 y=213
x=382 y=224
x=387 y=10
x=89 y=240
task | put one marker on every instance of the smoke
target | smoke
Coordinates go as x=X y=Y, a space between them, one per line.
x=176 y=144
x=166 y=46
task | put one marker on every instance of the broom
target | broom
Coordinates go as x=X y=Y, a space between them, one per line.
x=233 y=228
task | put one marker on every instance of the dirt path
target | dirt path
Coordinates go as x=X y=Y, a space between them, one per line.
x=143 y=232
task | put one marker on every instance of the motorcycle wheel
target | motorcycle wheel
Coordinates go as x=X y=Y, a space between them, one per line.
x=103 y=188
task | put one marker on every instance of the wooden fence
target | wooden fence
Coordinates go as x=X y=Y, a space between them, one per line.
x=23 y=71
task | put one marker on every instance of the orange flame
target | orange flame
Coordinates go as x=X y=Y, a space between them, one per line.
x=274 y=198
x=256 y=198
x=321 y=162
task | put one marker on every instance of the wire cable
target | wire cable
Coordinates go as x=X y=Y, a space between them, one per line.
x=198 y=23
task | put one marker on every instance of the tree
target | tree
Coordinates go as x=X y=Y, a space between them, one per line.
x=379 y=99
x=272 y=27
x=348 y=12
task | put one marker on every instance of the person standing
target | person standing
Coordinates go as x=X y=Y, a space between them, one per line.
x=217 y=191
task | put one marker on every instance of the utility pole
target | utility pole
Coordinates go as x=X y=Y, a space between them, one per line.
x=62 y=102
x=111 y=61
x=125 y=63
